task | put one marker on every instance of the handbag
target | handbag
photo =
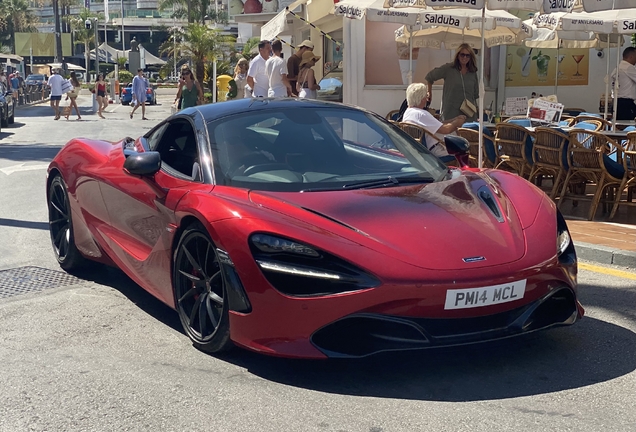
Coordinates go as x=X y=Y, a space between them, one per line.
x=66 y=86
x=467 y=107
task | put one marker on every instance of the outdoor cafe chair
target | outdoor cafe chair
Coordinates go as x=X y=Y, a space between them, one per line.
x=588 y=161
x=599 y=123
x=629 y=155
x=513 y=144
x=419 y=134
x=549 y=153
x=573 y=111
x=489 y=154
x=391 y=114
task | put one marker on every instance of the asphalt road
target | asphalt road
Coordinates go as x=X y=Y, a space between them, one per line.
x=99 y=354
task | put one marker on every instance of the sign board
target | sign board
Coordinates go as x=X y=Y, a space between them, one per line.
x=545 y=111
x=516 y=105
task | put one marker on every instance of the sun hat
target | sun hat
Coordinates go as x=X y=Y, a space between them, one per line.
x=306 y=43
x=307 y=57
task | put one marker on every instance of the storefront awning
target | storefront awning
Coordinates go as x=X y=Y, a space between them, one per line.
x=14 y=57
x=276 y=25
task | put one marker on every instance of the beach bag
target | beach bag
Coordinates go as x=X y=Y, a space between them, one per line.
x=66 y=86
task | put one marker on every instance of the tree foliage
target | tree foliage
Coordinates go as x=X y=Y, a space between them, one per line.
x=200 y=44
x=15 y=16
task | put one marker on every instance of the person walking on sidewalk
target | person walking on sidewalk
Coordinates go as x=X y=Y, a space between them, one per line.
x=55 y=83
x=72 y=95
x=190 y=93
x=100 y=91
x=139 y=88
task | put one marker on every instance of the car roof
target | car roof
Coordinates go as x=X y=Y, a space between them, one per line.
x=217 y=110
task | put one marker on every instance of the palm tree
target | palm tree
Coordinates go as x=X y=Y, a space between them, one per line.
x=15 y=16
x=201 y=45
x=82 y=35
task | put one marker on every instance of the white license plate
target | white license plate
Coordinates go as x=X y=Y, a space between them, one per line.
x=485 y=296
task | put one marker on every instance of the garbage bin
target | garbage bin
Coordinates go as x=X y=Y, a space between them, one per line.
x=222 y=87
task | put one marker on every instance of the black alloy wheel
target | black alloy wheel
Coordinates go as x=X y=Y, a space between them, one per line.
x=61 y=227
x=200 y=292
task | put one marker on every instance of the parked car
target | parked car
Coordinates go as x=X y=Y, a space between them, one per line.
x=7 y=106
x=126 y=95
x=303 y=228
x=35 y=79
x=331 y=86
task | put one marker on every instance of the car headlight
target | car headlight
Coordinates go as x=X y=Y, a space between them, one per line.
x=300 y=270
x=564 y=244
x=563 y=241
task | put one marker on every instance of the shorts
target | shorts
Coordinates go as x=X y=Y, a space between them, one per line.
x=56 y=97
x=101 y=93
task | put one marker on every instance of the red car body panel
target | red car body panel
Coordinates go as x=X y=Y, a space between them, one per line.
x=412 y=239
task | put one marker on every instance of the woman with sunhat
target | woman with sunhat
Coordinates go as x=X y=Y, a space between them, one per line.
x=306 y=84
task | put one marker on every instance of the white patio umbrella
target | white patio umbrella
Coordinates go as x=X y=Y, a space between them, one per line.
x=551 y=36
x=617 y=23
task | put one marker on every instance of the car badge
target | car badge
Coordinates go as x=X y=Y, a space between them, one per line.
x=474 y=259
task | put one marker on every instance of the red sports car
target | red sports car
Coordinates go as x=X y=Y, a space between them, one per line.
x=311 y=229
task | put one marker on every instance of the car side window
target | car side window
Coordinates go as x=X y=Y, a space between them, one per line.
x=178 y=149
x=154 y=136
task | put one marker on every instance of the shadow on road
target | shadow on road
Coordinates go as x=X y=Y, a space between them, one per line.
x=24 y=224
x=4 y=134
x=587 y=353
x=28 y=152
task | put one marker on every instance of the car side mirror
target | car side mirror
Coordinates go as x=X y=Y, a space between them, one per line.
x=143 y=164
x=458 y=147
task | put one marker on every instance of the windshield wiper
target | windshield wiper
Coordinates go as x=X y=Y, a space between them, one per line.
x=377 y=183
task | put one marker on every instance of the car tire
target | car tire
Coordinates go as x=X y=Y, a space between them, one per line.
x=61 y=227
x=12 y=118
x=200 y=291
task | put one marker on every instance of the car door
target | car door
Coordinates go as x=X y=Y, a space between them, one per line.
x=142 y=210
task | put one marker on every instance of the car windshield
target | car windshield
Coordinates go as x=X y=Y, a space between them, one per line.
x=305 y=149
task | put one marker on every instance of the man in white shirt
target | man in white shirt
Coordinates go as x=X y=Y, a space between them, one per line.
x=276 y=70
x=257 y=77
x=626 y=107
x=416 y=98
x=55 y=82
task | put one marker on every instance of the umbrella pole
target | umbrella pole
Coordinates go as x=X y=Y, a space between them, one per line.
x=556 y=77
x=618 y=62
x=410 y=55
x=482 y=91
x=607 y=78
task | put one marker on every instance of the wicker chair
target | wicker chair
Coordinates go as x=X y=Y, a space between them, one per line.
x=518 y=117
x=567 y=120
x=588 y=162
x=573 y=111
x=510 y=144
x=472 y=136
x=391 y=113
x=419 y=134
x=630 y=160
x=548 y=152
x=599 y=122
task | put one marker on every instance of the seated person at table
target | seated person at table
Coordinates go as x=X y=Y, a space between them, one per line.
x=417 y=97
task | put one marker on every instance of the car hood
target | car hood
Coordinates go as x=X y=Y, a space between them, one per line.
x=466 y=221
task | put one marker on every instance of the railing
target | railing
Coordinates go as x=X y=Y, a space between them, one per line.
x=32 y=93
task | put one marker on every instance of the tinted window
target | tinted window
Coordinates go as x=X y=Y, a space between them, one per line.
x=305 y=148
x=178 y=148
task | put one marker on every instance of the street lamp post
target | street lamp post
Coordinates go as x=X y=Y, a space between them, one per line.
x=58 y=32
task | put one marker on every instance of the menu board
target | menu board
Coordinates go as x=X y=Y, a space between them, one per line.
x=545 y=111
x=516 y=105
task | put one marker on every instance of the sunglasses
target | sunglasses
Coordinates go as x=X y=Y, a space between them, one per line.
x=464 y=55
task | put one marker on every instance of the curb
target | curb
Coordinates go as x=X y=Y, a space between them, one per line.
x=605 y=255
